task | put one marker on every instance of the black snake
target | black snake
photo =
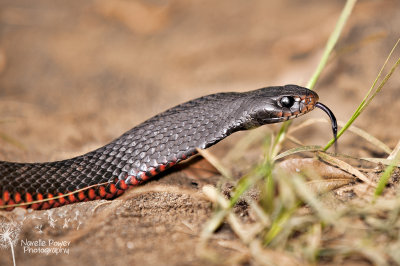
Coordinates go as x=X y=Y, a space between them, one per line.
x=151 y=147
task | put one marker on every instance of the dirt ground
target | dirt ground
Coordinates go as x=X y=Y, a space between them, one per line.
x=76 y=74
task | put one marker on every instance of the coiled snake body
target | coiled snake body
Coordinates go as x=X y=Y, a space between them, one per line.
x=149 y=148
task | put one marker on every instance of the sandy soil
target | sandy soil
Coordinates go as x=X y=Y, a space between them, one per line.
x=74 y=75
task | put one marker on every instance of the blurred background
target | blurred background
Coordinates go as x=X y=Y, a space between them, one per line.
x=76 y=74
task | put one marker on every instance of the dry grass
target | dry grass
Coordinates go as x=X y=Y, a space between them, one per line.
x=298 y=217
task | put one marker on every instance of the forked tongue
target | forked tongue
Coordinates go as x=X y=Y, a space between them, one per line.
x=333 y=120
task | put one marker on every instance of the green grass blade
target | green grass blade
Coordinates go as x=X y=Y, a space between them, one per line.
x=386 y=175
x=332 y=42
x=344 y=16
x=367 y=99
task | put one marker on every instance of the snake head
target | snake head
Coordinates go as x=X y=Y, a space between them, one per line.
x=277 y=104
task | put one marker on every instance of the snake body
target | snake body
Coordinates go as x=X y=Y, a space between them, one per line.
x=149 y=148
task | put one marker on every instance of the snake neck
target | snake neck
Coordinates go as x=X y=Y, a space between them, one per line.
x=172 y=136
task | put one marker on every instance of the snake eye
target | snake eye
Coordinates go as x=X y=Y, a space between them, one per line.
x=287 y=101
